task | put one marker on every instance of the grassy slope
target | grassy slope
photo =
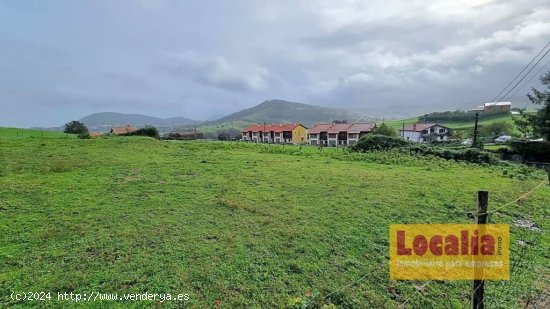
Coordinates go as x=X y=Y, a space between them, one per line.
x=243 y=224
x=394 y=123
x=397 y=124
x=16 y=133
x=213 y=128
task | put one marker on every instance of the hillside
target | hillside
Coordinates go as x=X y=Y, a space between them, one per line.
x=18 y=133
x=279 y=111
x=457 y=125
x=244 y=225
x=109 y=119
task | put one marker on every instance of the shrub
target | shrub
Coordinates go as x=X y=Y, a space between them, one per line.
x=84 y=136
x=374 y=142
x=532 y=151
x=456 y=152
x=384 y=129
x=459 y=115
x=147 y=131
x=473 y=155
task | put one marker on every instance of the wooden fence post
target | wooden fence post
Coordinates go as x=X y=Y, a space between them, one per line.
x=478 y=286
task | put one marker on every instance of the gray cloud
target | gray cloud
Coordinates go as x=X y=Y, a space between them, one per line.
x=204 y=59
x=218 y=72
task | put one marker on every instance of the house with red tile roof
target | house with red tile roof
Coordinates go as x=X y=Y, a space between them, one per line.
x=338 y=134
x=425 y=132
x=123 y=130
x=282 y=133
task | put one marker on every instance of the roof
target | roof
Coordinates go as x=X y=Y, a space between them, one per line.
x=123 y=130
x=497 y=104
x=281 y=127
x=361 y=127
x=342 y=127
x=318 y=128
x=419 y=127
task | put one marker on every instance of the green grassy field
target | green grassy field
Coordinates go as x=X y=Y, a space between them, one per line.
x=237 y=125
x=16 y=133
x=244 y=225
x=457 y=125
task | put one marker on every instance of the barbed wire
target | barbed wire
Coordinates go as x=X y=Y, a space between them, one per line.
x=526 y=194
x=418 y=290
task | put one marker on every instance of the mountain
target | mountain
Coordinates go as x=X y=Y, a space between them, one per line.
x=280 y=111
x=101 y=121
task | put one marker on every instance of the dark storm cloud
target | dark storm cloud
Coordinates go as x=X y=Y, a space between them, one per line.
x=66 y=59
x=217 y=72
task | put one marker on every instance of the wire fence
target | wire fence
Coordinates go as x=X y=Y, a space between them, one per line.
x=519 y=264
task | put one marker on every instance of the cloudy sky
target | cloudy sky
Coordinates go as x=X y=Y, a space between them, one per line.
x=62 y=60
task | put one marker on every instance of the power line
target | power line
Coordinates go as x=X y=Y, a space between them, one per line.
x=544 y=55
x=522 y=70
x=531 y=79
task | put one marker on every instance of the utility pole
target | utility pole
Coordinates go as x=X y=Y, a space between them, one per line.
x=474 y=142
x=195 y=127
x=263 y=137
x=478 y=286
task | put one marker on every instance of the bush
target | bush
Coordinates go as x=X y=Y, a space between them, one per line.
x=459 y=115
x=473 y=155
x=374 y=142
x=147 y=131
x=531 y=151
x=84 y=136
x=384 y=129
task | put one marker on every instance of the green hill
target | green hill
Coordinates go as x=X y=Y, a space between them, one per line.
x=109 y=119
x=278 y=111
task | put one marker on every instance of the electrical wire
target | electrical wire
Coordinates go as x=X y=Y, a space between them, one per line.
x=522 y=70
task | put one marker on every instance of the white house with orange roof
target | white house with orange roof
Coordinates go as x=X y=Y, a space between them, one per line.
x=425 y=132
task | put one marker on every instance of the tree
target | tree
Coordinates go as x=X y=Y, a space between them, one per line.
x=386 y=130
x=540 y=121
x=522 y=122
x=496 y=128
x=76 y=127
x=457 y=134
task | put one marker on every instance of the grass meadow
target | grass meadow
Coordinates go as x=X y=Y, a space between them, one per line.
x=16 y=133
x=240 y=225
x=456 y=125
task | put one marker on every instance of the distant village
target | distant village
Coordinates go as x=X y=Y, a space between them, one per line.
x=333 y=134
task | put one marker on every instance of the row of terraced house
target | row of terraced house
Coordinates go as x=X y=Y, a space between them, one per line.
x=332 y=134
x=336 y=134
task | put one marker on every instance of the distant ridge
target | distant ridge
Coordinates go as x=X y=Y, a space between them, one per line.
x=280 y=111
x=108 y=119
